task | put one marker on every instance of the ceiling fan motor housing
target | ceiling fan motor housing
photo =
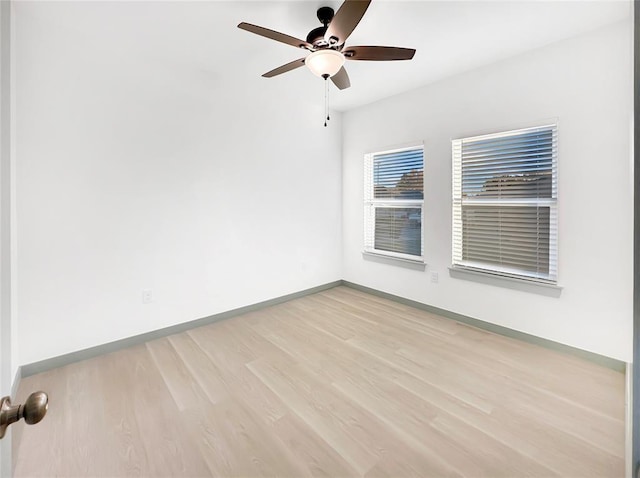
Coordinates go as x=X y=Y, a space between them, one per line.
x=316 y=36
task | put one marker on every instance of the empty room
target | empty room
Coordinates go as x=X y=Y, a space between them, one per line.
x=317 y=238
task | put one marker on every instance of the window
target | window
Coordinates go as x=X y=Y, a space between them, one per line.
x=504 y=204
x=393 y=199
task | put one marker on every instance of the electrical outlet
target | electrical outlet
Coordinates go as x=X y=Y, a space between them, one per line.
x=434 y=277
x=147 y=296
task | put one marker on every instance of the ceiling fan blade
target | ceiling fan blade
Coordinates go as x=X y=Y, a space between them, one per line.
x=378 y=53
x=274 y=35
x=284 y=68
x=345 y=20
x=341 y=79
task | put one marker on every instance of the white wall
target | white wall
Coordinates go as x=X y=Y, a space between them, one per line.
x=134 y=175
x=584 y=82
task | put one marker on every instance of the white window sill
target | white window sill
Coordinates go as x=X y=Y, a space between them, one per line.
x=550 y=290
x=416 y=264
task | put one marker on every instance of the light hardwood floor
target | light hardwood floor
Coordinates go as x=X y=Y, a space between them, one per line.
x=340 y=383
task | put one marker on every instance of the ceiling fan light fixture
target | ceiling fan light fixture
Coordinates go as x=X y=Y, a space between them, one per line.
x=325 y=63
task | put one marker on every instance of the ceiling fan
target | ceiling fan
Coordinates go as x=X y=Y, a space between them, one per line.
x=327 y=44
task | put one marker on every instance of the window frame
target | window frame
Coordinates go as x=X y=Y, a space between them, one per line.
x=371 y=204
x=458 y=201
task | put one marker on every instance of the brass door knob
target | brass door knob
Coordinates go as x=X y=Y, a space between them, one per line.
x=33 y=410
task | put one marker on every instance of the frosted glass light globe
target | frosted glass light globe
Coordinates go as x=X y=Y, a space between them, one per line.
x=325 y=62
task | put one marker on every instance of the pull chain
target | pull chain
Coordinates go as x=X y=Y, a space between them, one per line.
x=327 y=107
x=326 y=100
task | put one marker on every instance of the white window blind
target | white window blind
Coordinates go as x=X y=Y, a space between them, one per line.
x=505 y=218
x=393 y=200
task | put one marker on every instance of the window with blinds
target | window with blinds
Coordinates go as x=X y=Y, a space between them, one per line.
x=505 y=218
x=393 y=200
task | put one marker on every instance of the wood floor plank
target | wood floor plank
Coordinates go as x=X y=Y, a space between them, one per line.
x=249 y=448
x=202 y=369
x=410 y=418
x=496 y=459
x=237 y=378
x=167 y=446
x=82 y=386
x=307 y=399
x=351 y=430
x=312 y=451
x=186 y=392
x=125 y=441
x=601 y=433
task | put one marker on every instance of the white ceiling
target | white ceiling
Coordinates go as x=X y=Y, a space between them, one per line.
x=199 y=41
